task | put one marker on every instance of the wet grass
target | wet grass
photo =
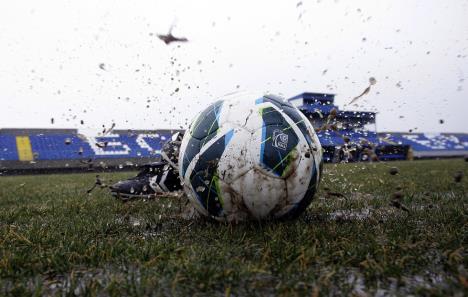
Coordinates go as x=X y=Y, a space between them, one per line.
x=56 y=239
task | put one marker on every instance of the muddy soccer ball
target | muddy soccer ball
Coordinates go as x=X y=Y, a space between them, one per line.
x=250 y=158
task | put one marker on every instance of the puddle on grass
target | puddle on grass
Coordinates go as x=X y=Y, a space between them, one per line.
x=381 y=214
x=77 y=281
x=434 y=279
x=141 y=227
x=410 y=284
x=350 y=214
x=356 y=280
x=164 y=223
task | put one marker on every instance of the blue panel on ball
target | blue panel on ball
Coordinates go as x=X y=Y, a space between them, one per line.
x=204 y=177
x=271 y=116
x=192 y=149
x=278 y=101
x=291 y=112
x=207 y=122
x=278 y=142
x=299 y=121
x=202 y=131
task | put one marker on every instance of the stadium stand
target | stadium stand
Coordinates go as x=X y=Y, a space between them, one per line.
x=336 y=128
x=358 y=127
x=55 y=149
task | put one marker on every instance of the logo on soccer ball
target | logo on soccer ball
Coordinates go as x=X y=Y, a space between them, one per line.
x=280 y=139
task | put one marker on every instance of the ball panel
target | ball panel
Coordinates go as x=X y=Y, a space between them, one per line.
x=279 y=139
x=261 y=193
x=277 y=149
x=204 y=175
x=293 y=113
x=240 y=112
x=235 y=160
x=223 y=132
x=299 y=181
x=206 y=188
x=233 y=204
x=271 y=116
x=275 y=100
x=299 y=122
x=194 y=199
x=300 y=206
x=207 y=122
x=189 y=149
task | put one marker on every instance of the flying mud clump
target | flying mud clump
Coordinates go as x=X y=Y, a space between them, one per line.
x=372 y=82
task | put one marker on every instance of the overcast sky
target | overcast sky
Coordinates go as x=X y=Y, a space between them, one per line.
x=101 y=61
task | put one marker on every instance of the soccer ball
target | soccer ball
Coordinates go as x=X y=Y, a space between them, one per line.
x=245 y=158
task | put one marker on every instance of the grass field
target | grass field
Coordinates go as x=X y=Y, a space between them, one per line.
x=56 y=239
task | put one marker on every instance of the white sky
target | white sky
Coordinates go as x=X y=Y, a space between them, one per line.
x=50 y=53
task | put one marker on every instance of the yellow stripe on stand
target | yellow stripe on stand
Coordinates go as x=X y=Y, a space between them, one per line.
x=23 y=145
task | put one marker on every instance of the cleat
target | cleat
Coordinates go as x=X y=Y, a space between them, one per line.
x=154 y=179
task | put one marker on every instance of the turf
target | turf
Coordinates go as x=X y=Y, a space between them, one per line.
x=55 y=239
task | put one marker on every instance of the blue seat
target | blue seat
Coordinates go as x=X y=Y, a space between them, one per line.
x=8 y=151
